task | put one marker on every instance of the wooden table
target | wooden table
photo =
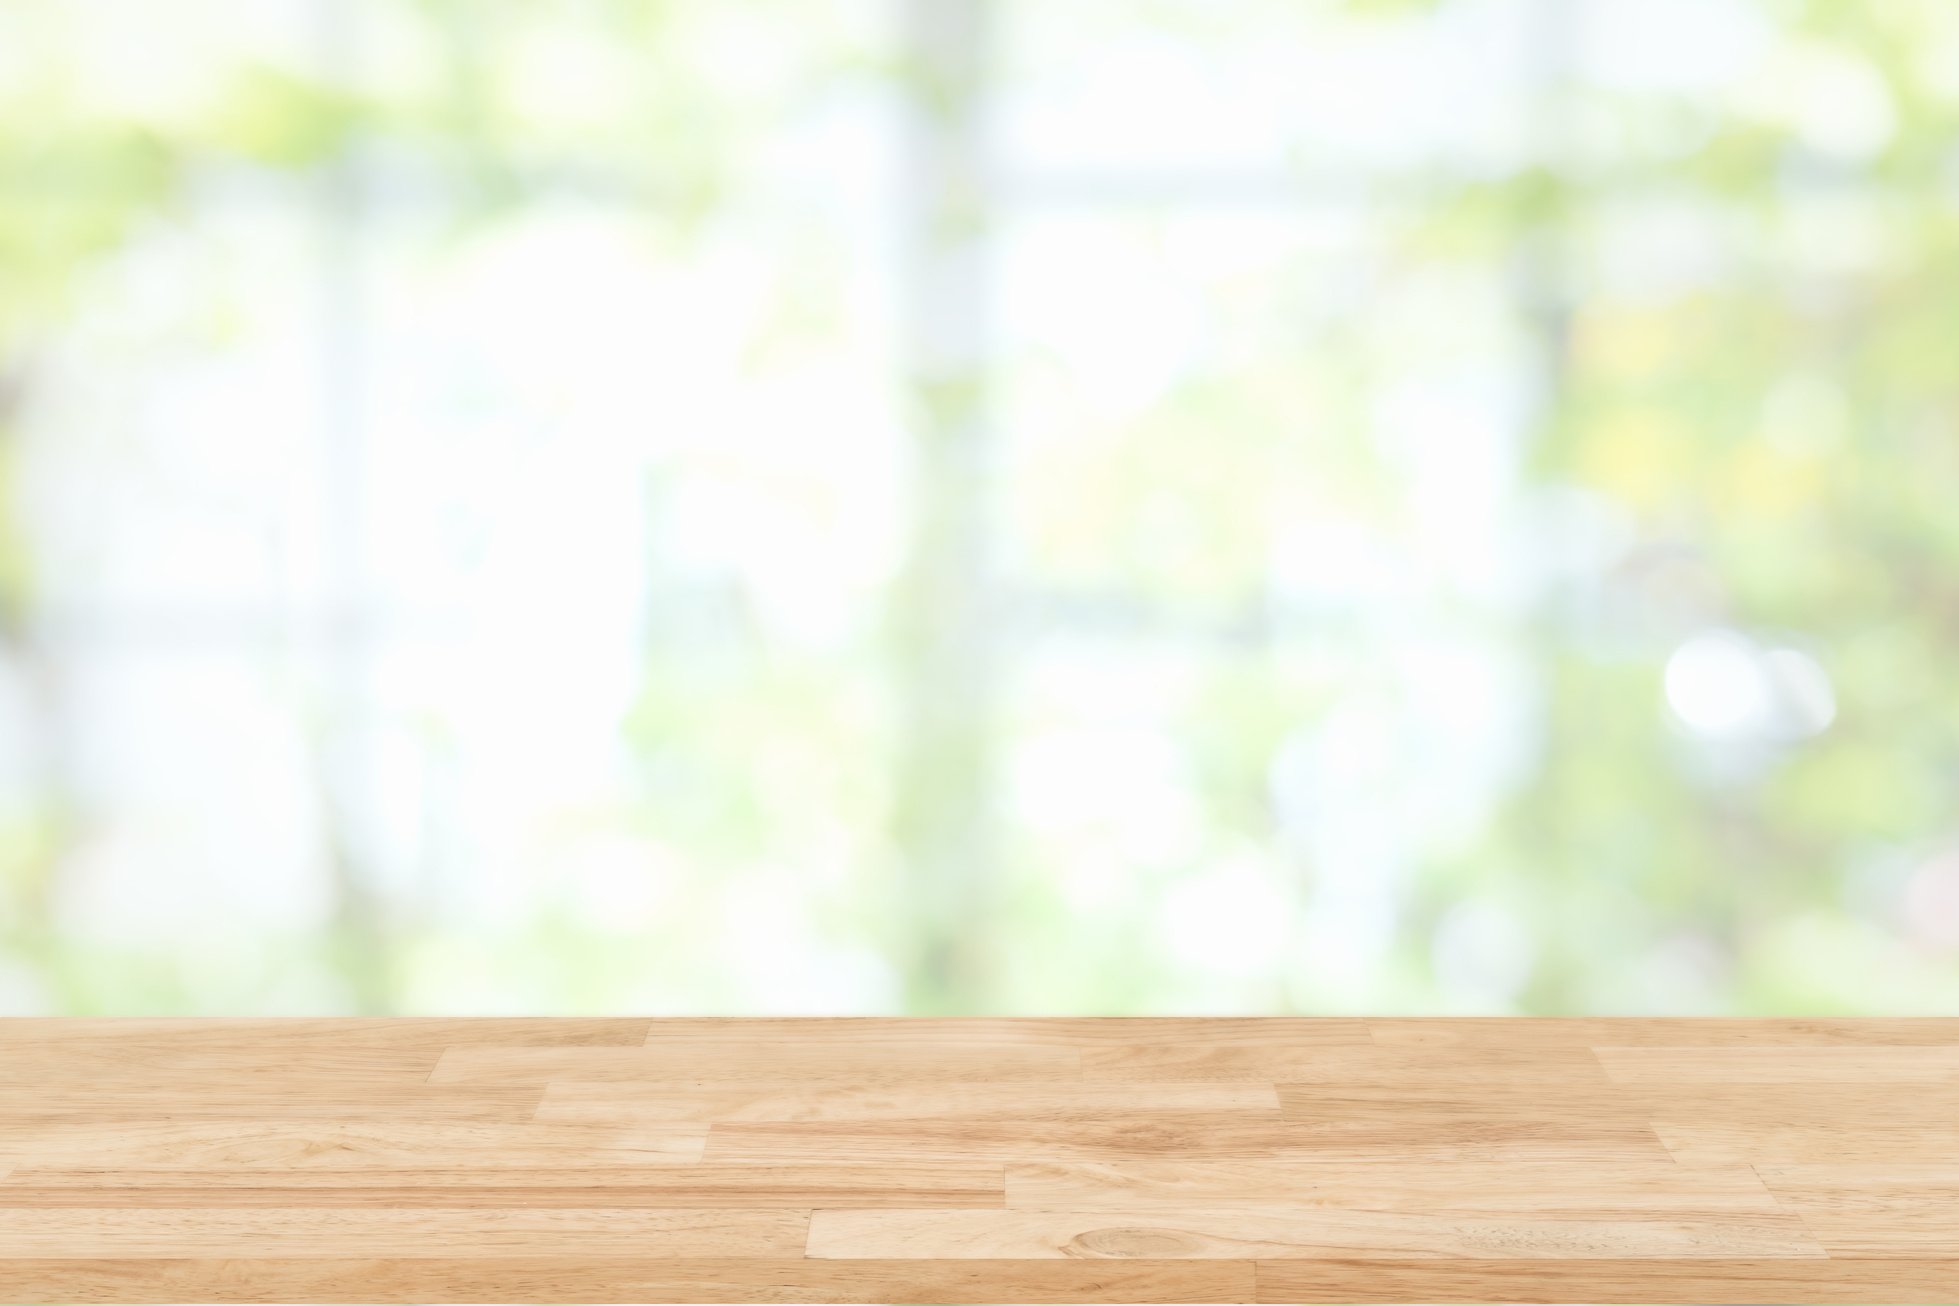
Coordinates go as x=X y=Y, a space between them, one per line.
x=1199 y=1160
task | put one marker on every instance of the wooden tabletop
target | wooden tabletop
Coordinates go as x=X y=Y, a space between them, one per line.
x=882 y=1160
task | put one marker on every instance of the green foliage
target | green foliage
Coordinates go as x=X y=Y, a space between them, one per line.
x=1255 y=561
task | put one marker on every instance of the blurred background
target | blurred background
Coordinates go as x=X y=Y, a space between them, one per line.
x=1105 y=506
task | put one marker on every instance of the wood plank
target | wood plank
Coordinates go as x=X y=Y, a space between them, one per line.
x=1339 y=1065
x=986 y=1031
x=675 y=1061
x=170 y=1144
x=1735 y=1124
x=1864 y=1209
x=1855 y=1106
x=996 y=1141
x=1937 y=1064
x=1713 y=1281
x=150 y=1035
x=117 y=1232
x=1723 y=1145
x=979 y=1160
x=1187 y=1137
x=31 y=1068
x=589 y=1279
x=903 y=1184
x=1396 y=1116
x=788 y=1103
x=1263 y=1234
x=1390 y=1183
x=1639 y=1031
x=318 y=1099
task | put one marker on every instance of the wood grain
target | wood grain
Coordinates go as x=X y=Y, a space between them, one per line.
x=393 y=1103
x=1293 y=1063
x=788 y=1103
x=686 y=1062
x=1053 y=1031
x=172 y=1144
x=1716 y=1282
x=379 y=1231
x=619 y=1279
x=1264 y=1233
x=1861 y=1209
x=160 y=1035
x=886 y=1184
x=885 y=1159
x=1644 y=1031
x=1392 y=1183
x=1781 y=1065
x=1445 y=1120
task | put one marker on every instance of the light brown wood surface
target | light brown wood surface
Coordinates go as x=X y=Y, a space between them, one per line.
x=882 y=1160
